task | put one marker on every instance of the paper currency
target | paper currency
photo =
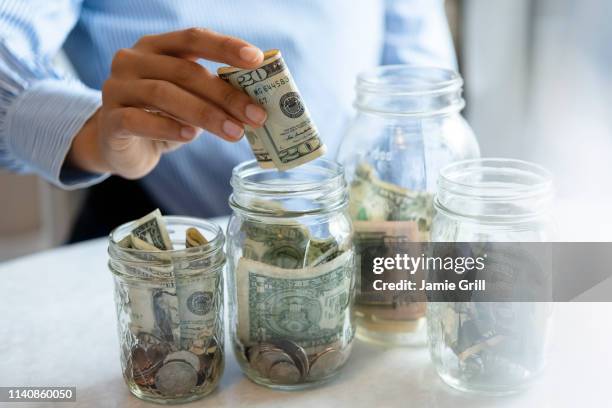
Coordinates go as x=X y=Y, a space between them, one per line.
x=198 y=305
x=289 y=137
x=152 y=229
x=388 y=220
x=488 y=344
x=282 y=245
x=153 y=306
x=294 y=294
x=319 y=251
x=372 y=199
x=173 y=311
x=194 y=238
x=294 y=321
x=304 y=305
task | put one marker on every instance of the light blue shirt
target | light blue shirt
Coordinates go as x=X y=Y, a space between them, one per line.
x=325 y=44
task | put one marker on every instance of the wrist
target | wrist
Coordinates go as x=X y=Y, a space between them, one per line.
x=85 y=153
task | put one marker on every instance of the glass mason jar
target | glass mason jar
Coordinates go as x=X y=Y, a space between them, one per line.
x=408 y=126
x=291 y=273
x=487 y=345
x=170 y=312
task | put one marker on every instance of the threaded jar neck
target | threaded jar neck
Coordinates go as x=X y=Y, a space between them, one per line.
x=129 y=263
x=404 y=90
x=312 y=188
x=494 y=190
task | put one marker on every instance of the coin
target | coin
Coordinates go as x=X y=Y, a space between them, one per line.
x=157 y=352
x=176 y=378
x=284 y=372
x=212 y=362
x=263 y=360
x=325 y=363
x=298 y=354
x=184 y=356
x=252 y=353
x=265 y=355
x=216 y=366
x=140 y=361
x=144 y=364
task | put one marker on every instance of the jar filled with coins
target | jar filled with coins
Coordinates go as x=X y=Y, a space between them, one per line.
x=290 y=273
x=168 y=274
x=493 y=341
x=408 y=126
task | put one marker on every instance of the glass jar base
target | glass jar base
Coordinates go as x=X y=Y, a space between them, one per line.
x=416 y=337
x=292 y=387
x=138 y=393
x=481 y=389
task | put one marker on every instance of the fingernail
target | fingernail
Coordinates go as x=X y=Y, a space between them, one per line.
x=188 y=133
x=255 y=113
x=251 y=54
x=232 y=130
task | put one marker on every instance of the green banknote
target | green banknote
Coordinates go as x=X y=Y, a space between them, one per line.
x=308 y=305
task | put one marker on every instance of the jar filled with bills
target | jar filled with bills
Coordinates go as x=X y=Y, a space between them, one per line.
x=168 y=276
x=290 y=273
x=408 y=126
x=493 y=341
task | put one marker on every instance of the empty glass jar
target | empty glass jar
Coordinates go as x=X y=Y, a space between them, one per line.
x=170 y=310
x=501 y=207
x=408 y=126
x=291 y=273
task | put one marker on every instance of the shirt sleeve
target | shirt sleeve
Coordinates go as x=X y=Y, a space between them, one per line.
x=417 y=33
x=41 y=110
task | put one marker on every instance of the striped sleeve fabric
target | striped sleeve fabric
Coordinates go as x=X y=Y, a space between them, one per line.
x=40 y=110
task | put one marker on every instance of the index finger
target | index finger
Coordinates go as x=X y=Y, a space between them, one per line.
x=204 y=43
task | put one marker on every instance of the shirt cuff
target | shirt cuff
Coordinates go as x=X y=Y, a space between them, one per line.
x=41 y=124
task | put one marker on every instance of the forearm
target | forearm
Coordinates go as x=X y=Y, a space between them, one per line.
x=40 y=118
x=40 y=111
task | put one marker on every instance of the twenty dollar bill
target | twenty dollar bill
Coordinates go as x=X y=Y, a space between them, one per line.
x=289 y=137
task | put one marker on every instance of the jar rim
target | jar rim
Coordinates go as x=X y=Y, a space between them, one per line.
x=496 y=185
x=409 y=80
x=213 y=245
x=251 y=167
x=539 y=180
x=321 y=178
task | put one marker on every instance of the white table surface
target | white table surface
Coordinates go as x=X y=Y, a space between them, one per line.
x=58 y=328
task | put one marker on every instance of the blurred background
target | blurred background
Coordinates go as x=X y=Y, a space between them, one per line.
x=537 y=85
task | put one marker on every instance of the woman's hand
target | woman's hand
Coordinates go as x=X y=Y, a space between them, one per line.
x=158 y=97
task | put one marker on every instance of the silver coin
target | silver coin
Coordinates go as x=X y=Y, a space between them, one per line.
x=176 y=378
x=284 y=372
x=251 y=353
x=185 y=356
x=325 y=363
x=267 y=357
x=263 y=360
x=300 y=358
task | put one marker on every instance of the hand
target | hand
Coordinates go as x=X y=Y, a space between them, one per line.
x=158 y=97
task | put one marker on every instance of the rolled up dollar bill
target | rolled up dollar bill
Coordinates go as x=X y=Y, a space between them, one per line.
x=289 y=137
x=194 y=238
x=152 y=229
